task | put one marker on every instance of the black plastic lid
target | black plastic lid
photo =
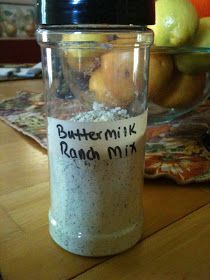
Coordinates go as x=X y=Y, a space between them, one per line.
x=117 y=12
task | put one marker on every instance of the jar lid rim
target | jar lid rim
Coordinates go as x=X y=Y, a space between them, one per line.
x=74 y=12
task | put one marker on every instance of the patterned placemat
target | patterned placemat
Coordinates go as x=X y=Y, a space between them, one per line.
x=178 y=150
x=26 y=113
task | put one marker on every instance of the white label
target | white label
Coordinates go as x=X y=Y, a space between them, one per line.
x=95 y=140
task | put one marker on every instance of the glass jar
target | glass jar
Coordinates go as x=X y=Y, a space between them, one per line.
x=95 y=78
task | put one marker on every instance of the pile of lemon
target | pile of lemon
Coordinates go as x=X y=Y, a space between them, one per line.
x=178 y=81
x=175 y=80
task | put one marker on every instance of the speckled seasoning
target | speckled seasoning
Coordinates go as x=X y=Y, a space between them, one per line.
x=96 y=205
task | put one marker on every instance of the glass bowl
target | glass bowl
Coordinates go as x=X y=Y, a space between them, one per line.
x=179 y=81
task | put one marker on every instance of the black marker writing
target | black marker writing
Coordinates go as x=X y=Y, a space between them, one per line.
x=81 y=154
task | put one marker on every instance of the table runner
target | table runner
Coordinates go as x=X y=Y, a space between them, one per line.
x=177 y=150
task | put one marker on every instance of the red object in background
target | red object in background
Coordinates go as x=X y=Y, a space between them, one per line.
x=202 y=7
x=19 y=51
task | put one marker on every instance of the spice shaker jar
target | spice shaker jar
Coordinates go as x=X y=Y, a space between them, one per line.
x=95 y=57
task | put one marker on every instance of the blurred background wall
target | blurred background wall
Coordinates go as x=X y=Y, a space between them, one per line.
x=17 y=32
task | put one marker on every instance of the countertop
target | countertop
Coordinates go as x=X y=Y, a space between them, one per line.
x=176 y=238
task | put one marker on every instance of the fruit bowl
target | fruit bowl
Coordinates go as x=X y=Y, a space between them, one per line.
x=179 y=81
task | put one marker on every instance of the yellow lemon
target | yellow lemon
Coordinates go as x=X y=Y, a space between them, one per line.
x=81 y=49
x=114 y=83
x=183 y=92
x=197 y=62
x=176 y=22
x=81 y=55
x=202 y=37
x=160 y=73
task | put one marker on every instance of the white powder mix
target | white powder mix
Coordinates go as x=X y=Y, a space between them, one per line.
x=102 y=113
x=96 y=208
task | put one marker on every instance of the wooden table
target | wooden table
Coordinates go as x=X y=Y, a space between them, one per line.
x=176 y=239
